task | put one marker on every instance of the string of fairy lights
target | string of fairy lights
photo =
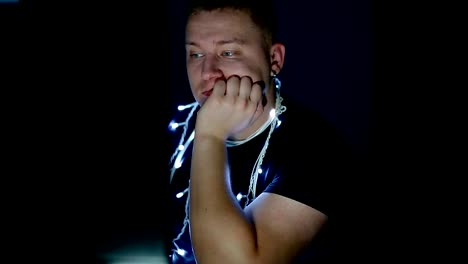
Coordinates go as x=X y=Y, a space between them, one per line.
x=178 y=156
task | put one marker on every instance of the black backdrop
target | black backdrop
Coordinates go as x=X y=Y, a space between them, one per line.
x=94 y=85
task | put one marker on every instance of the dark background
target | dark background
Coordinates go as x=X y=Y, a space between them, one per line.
x=91 y=87
x=86 y=97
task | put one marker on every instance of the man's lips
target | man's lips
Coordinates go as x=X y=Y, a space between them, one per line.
x=207 y=93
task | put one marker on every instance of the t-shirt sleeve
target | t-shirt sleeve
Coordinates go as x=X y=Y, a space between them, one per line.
x=307 y=183
x=310 y=164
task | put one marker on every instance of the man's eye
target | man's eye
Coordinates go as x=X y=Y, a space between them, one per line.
x=227 y=53
x=196 y=55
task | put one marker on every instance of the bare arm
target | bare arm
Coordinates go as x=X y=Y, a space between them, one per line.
x=220 y=231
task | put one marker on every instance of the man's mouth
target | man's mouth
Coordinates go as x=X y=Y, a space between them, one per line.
x=207 y=93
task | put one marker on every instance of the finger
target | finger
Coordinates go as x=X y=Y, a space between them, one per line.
x=263 y=88
x=219 y=88
x=245 y=88
x=256 y=110
x=259 y=110
x=256 y=93
x=232 y=86
x=255 y=100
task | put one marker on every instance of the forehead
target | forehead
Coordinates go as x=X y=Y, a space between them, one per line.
x=219 y=25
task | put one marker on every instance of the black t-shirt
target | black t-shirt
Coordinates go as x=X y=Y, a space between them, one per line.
x=303 y=161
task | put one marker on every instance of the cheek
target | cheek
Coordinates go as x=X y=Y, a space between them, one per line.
x=243 y=69
x=190 y=68
x=192 y=73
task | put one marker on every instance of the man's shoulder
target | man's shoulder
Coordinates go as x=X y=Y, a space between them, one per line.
x=304 y=127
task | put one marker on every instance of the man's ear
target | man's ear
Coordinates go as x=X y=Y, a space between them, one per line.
x=276 y=58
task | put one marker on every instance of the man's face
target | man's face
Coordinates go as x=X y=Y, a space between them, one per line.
x=220 y=44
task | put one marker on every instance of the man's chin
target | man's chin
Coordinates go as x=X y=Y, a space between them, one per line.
x=202 y=101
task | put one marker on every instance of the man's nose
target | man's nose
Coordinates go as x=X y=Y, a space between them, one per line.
x=211 y=68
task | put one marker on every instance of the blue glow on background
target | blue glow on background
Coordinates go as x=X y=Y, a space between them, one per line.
x=9 y=1
x=138 y=253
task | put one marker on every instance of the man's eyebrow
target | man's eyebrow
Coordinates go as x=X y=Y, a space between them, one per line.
x=220 y=42
x=191 y=43
x=231 y=41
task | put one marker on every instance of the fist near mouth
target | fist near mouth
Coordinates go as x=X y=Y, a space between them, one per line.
x=232 y=106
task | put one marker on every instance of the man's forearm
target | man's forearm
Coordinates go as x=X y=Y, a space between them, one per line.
x=220 y=231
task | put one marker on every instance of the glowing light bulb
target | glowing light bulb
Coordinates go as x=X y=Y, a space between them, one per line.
x=177 y=164
x=173 y=125
x=272 y=113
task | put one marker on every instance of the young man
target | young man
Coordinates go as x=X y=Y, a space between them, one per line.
x=239 y=147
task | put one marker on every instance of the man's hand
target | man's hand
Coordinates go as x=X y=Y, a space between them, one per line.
x=233 y=106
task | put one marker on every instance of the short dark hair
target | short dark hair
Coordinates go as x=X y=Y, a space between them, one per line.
x=261 y=12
